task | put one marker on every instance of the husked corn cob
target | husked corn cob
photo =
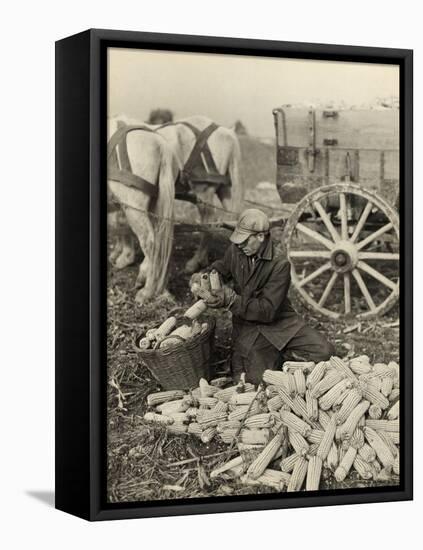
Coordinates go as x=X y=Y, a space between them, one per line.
x=163 y=396
x=262 y=420
x=220 y=382
x=300 y=381
x=275 y=403
x=357 y=439
x=324 y=419
x=375 y=382
x=375 y=467
x=214 y=277
x=287 y=464
x=178 y=428
x=314 y=472
x=297 y=365
x=243 y=398
x=342 y=367
x=205 y=281
x=328 y=399
x=229 y=435
x=393 y=412
x=298 y=442
x=382 y=370
x=316 y=374
x=394 y=437
x=179 y=405
x=367 y=453
x=345 y=465
x=300 y=409
x=179 y=417
x=387 y=385
x=294 y=423
x=291 y=385
x=158 y=418
x=206 y=390
x=339 y=400
x=195 y=429
x=390 y=444
x=243 y=411
x=227 y=466
x=316 y=435
x=298 y=475
x=348 y=405
x=312 y=450
x=394 y=394
x=265 y=457
x=327 y=440
x=382 y=450
x=271 y=391
x=286 y=397
x=221 y=406
x=396 y=466
x=360 y=365
x=276 y=378
x=350 y=424
x=362 y=468
x=165 y=328
x=228 y=425
x=145 y=343
x=192 y=412
x=227 y=393
x=312 y=406
x=196 y=310
x=326 y=384
x=269 y=478
x=211 y=418
x=375 y=412
x=208 y=434
x=184 y=332
x=385 y=425
x=332 y=459
x=255 y=436
x=208 y=402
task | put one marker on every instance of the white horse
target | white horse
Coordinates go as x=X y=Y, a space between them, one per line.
x=179 y=139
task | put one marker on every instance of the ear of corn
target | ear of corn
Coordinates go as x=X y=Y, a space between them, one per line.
x=393 y=412
x=372 y=394
x=292 y=366
x=255 y=436
x=327 y=440
x=276 y=378
x=300 y=381
x=328 y=399
x=314 y=472
x=211 y=418
x=387 y=385
x=178 y=428
x=375 y=412
x=382 y=370
x=324 y=419
x=348 y=405
x=208 y=434
x=385 y=425
x=298 y=442
x=195 y=429
x=221 y=407
x=316 y=374
x=243 y=398
x=269 y=478
x=163 y=396
x=208 y=402
x=179 y=405
x=393 y=436
x=244 y=411
x=333 y=457
x=227 y=393
x=360 y=365
x=300 y=409
x=181 y=417
x=312 y=406
x=291 y=385
x=286 y=398
x=263 y=420
x=158 y=418
x=362 y=468
x=382 y=450
x=346 y=463
x=394 y=394
x=165 y=328
x=298 y=475
x=227 y=466
x=266 y=456
x=396 y=466
x=220 y=382
x=316 y=436
x=287 y=464
x=196 y=310
x=326 y=384
x=350 y=424
x=215 y=283
x=357 y=439
x=343 y=368
x=294 y=423
x=275 y=403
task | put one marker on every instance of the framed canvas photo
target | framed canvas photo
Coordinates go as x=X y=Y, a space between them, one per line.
x=231 y=333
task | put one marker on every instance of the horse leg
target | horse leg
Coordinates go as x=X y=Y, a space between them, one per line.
x=127 y=256
x=207 y=214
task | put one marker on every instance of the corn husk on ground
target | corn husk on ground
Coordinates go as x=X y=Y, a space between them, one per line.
x=306 y=424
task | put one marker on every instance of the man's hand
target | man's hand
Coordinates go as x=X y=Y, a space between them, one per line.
x=221 y=298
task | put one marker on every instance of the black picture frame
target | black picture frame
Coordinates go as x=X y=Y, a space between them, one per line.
x=81 y=272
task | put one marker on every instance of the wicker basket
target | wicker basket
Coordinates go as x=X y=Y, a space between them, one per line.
x=180 y=367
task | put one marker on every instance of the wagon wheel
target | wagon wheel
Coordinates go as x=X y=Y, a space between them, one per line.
x=343 y=245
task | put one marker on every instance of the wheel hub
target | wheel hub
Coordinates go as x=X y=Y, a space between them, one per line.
x=344 y=257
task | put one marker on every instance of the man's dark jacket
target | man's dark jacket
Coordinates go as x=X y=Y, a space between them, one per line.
x=261 y=305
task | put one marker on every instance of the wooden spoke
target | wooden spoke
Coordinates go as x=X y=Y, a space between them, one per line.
x=361 y=221
x=314 y=274
x=375 y=235
x=378 y=256
x=344 y=216
x=328 y=289
x=377 y=275
x=326 y=220
x=309 y=254
x=362 y=285
x=314 y=235
x=347 y=292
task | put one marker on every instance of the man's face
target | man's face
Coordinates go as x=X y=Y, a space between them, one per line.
x=252 y=244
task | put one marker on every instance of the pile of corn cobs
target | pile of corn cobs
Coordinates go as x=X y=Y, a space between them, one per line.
x=337 y=417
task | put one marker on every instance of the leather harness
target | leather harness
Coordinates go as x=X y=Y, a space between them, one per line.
x=199 y=167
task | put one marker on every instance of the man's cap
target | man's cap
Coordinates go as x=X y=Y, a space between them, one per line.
x=250 y=221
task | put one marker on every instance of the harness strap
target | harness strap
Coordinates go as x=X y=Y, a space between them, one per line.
x=123 y=173
x=202 y=147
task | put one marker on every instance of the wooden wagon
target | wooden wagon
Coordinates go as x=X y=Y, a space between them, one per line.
x=340 y=171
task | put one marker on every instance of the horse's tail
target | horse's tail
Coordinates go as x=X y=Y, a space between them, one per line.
x=162 y=220
x=236 y=177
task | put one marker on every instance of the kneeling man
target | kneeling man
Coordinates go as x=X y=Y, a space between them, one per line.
x=266 y=329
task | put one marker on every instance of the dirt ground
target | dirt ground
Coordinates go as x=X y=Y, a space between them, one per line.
x=141 y=458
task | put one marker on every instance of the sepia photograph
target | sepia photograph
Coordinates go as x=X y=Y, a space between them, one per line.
x=253 y=263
